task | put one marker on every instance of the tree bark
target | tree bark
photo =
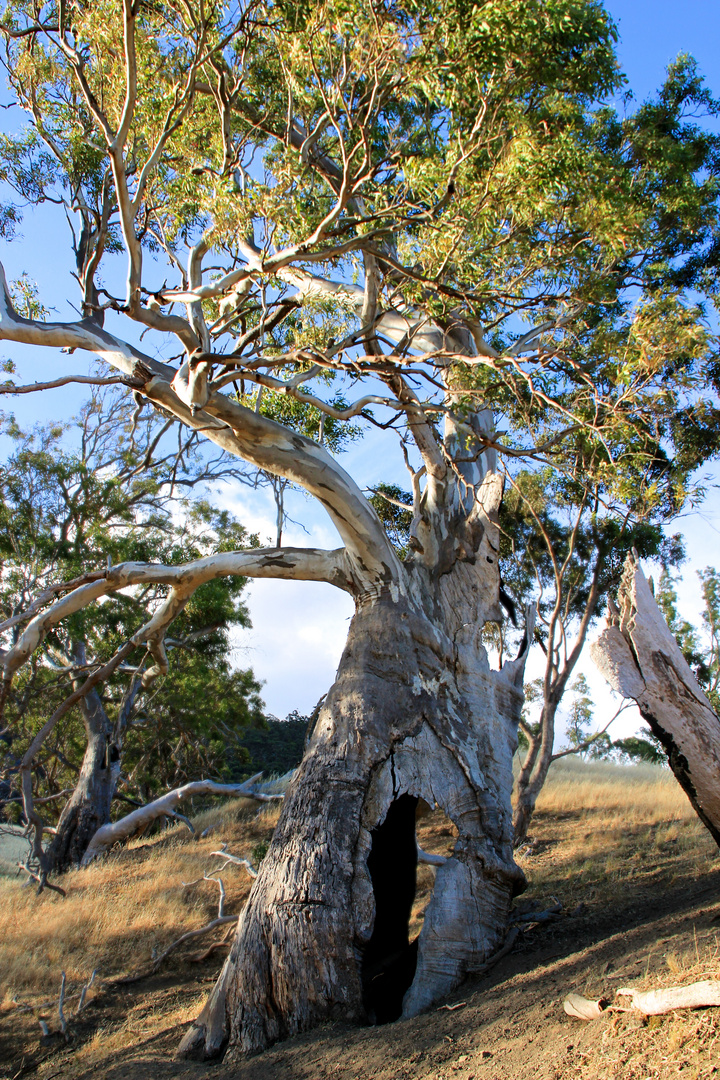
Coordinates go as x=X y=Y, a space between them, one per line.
x=415 y=712
x=640 y=658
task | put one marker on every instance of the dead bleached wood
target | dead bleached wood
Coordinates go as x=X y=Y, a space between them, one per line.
x=583 y=1008
x=648 y=1002
x=83 y=992
x=139 y=819
x=236 y=860
x=640 y=658
x=61 y=1006
x=429 y=858
x=656 y=1002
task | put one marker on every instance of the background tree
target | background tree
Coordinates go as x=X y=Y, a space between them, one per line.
x=431 y=203
x=566 y=532
x=103 y=489
x=645 y=748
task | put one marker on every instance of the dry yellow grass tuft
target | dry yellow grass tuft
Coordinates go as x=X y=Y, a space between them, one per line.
x=599 y=827
x=623 y=841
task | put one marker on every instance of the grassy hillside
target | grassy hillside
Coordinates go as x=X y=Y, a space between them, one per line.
x=620 y=848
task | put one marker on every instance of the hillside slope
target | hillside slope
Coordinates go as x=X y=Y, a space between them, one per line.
x=637 y=877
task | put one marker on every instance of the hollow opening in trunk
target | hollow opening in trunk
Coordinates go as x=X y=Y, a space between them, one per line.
x=389 y=959
x=436 y=834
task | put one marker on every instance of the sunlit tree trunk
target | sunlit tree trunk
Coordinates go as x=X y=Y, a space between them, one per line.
x=89 y=806
x=415 y=712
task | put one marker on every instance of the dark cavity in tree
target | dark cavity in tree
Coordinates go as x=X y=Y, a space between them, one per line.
x=389 y=959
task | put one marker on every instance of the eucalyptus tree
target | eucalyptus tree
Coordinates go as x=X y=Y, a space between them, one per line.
x=565 y=535
x=104 y=489
x=416 y=216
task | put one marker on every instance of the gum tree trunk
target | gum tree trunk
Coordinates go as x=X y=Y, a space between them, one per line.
x=88 y=808
x=415 y=712
x=640 y=658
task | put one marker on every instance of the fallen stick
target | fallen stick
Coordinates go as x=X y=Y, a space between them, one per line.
x=656 y=1002
x=429 y=858
x=61 y=1007
x=221 y=920
x=583 y=1008
x=236 y=860
x=83 y=992
x=648 y=1002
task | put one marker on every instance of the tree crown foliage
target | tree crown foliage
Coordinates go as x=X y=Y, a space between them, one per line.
x=462 y=155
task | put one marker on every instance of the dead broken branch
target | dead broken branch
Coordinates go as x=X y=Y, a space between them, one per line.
x=648 y=1002
x=235 y=860
x=165 y=806
x=221 y=920
x=656 y=1002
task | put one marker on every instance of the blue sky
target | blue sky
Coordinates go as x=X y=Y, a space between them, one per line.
x=299 y=628
x=653 y=32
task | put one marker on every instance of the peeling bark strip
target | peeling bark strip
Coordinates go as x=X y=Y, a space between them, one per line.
x=640 y=658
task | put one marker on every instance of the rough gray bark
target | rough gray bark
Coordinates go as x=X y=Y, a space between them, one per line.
x=640 y=658
x=415 y=712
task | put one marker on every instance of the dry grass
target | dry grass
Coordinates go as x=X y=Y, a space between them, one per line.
x=624 y=1045
x=624 y=841
x=601 y=827
x=636 y=793
x=120 y=912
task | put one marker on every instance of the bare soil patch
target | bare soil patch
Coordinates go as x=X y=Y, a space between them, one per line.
x=639 y=881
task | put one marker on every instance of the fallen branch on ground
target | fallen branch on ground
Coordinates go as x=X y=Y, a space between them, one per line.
x=221 y=920
x=42 y=883
x=540 y=916
x=132 y=823
x=655 y=1002
x=235 y=860
x=61 y=1007
x=198 y=958
x=648 y=1002
x=583 y=1008
x=429 y=858
x=84 y=990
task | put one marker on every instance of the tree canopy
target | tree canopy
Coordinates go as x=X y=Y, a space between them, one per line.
x=438 y=219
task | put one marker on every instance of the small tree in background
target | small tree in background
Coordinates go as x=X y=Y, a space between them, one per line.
x=72 y=498
x=580 y=713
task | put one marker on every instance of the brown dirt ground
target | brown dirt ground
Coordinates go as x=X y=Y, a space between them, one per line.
x=650 y=917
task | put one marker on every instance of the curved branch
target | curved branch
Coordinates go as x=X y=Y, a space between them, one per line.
x=299 y=564
x=242 y=432
x=108 y=835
